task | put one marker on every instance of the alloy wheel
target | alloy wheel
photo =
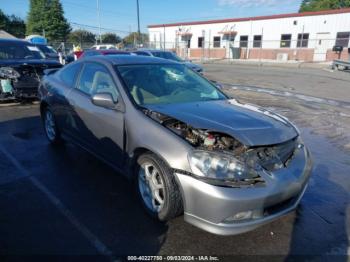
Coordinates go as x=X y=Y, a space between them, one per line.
x=151 y=186
x=50 y=126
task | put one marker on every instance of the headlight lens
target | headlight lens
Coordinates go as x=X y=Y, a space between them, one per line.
x=221 y=166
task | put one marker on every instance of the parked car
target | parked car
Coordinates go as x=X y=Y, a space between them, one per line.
x=21 y=67
x=104 y=47
x=89 y=53
x=169 y=55
x=48 y=51
x=229 y=167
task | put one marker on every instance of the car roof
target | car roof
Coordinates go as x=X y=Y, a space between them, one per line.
x=41 y=44
x=130 y=60
x=15 y=41
x=153 y=50
x=107 y=51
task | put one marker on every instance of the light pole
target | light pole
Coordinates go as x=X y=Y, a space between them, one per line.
x=138 y=22
x=98 y=18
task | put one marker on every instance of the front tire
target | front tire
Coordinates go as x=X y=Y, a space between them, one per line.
x=50 y=126
x=157 y=188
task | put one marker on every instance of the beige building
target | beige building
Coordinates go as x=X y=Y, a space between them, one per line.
x=309 y=36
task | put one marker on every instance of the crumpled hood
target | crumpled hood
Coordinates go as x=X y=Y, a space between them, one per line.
x=251 y=125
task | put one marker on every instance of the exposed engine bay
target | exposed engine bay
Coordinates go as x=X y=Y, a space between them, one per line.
x=20 y=81
x=270 y=158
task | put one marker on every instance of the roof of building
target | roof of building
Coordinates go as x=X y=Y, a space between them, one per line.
x=4 y=34
x=230 y=20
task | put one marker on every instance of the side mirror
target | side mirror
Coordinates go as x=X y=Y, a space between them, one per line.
x=104 y=100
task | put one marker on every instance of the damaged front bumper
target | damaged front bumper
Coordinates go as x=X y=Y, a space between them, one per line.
x=11 y=90
x=230 y=211
x=21 y=81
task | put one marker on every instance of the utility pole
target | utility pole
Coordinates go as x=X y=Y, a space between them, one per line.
x=164 y=36
x=99 y=20
x=138 y=22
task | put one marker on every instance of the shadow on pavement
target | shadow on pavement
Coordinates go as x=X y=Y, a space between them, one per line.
x=99 y=198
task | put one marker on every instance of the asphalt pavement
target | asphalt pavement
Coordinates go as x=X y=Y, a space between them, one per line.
x=63 y=203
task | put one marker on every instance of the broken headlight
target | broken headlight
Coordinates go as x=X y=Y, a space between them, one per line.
x=8 y=73
x=224 y=168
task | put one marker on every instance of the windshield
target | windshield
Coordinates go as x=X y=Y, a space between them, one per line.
x=167 y=84
x=167 y=55
x=47 y=49
x=19 y=51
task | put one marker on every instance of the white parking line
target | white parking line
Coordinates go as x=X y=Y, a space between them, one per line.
x=100 y=247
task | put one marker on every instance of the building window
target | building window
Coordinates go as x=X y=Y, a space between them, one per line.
x=342 y=39
x=286 y=41
x=189 y=43
x=217 y=41
x=243 y=41
x=303 y=40
x=200 y=42
x=257 y=41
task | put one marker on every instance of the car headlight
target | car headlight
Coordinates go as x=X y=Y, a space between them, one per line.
x=8 y=73
x=223 y=168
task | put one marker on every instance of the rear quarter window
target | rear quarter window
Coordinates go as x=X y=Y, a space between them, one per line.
x=69 y=74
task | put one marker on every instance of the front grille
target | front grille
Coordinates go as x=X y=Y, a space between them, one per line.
x=30 y=76
x=276 y=157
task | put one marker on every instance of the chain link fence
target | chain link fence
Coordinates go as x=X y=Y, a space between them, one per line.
x=286 y=50
x=68 y=47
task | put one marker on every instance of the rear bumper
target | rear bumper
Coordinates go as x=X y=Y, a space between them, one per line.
x=212 y=208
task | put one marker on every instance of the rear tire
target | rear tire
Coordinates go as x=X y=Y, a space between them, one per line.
x=157 y=189
x=50 y=127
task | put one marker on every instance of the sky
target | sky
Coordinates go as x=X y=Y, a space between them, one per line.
x=120 y=15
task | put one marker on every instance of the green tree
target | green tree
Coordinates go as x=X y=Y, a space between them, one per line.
x=12 y=24
x=110 y=38
x=3 y=20
x=17 y=26
x=47 y=17
x=319 y=5
x=133 y=38
x=56 y=26
x=36 y=21
x=81 y=37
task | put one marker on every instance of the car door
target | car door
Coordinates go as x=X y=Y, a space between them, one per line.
x=64 y=82
x=98 y=129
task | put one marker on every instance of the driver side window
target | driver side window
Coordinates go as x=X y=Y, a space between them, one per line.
x=96 y=79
